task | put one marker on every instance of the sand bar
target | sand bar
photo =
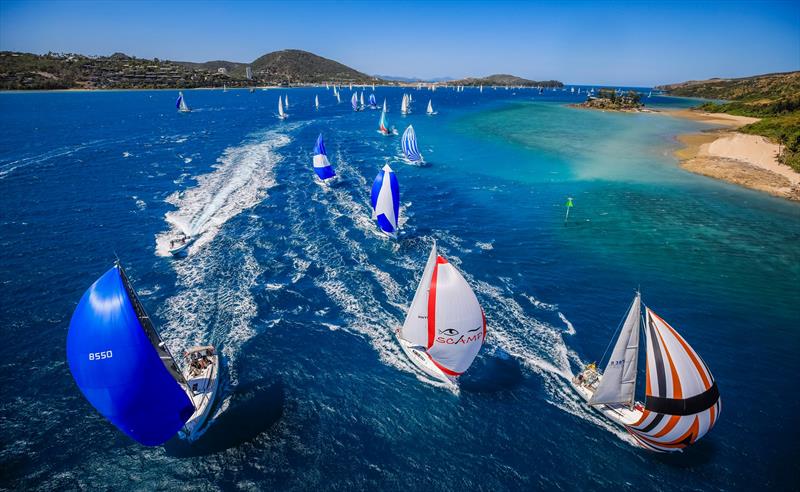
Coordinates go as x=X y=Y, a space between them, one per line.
x=746 y=160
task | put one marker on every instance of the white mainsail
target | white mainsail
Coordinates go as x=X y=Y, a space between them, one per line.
x=316 y=102
x=619 y=378
x=287 y=101
x=430 y=107
x=404 y=105
x=361 y=100
x=384 y=104
x=182 y=107
x=281 y=114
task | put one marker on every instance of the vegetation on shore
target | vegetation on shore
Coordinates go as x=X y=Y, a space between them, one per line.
x=27 y=71
x=609 y=99
x=775 y=98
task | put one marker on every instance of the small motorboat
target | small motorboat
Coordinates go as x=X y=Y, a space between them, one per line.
x=201 y=375
x=179 y=244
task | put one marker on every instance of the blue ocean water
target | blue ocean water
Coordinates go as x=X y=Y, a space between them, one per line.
x=292 y=282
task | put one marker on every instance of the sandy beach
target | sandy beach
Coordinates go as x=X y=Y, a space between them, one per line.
x=739 y=158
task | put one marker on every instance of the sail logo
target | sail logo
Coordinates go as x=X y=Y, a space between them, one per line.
x=451 y=334
x=100 y=355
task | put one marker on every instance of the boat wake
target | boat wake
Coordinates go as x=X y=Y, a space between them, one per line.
x=242 y=177
x=9 y=167
x=375 y=309
x=215 y=302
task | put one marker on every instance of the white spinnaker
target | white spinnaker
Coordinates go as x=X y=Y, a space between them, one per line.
x=619 y=378
x=458 y=320
x=415 y=327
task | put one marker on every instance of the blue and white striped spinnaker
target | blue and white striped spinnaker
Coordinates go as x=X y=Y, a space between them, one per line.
x=386 y=201
x=321 y=164
x=409 y=144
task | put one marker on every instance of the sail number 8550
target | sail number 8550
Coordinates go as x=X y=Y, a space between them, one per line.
x=100 y=355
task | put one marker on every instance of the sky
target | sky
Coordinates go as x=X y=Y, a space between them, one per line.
x=641 y=43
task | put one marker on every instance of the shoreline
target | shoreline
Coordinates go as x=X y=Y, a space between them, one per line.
x=742 y=159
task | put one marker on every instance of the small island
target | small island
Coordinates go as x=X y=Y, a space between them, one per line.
x=611 y=100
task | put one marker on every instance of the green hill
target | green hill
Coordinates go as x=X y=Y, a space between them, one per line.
x=297 y=66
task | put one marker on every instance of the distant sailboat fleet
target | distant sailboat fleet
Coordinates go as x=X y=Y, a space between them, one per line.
x=125 y=370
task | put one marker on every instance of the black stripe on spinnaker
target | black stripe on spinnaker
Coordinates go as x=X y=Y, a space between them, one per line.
x=660 y=372
x=652 y=424
x=684 y=406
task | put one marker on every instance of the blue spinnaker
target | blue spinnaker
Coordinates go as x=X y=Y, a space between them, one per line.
x=114 y=356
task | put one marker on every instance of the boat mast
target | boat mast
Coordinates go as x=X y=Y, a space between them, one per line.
x=150 y=330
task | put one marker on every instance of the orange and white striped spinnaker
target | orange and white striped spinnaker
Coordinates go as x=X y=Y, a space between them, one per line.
x=682 y=399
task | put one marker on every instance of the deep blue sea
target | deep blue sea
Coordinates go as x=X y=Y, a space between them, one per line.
x=302 y=295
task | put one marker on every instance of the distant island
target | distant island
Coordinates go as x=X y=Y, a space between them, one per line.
x=764 y=111
x=502 y=79
x=52 y=71
x=611 y=100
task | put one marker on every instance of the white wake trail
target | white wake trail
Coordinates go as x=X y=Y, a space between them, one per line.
x=241 y=179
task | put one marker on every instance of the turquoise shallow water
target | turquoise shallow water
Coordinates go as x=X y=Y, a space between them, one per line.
x=292 y=283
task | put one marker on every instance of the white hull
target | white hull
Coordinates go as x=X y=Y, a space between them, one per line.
x=182 y=247
x=202 y=389
x=422 y=362
x=620 y=414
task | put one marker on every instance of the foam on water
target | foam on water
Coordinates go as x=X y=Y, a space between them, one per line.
x=215 y=303
x=242 y=177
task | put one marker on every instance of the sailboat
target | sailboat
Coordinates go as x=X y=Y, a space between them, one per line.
x=281 y=114
x=481 y=89
x=430 y=111
x=122 y=367
x=354 y=102
x=385 y=200
x=409 y=145
x=445 y=326
x=286 y=103
x=373 y=103
x=180 y=104
x=383 y=126
x=321 y=164
x=404 y=105
x=316 y=102
x=384 y=106
x=362 y=100
x=682 y=401
x=224 y=88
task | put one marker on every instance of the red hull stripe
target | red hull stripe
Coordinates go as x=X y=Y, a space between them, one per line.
x=444 y=369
